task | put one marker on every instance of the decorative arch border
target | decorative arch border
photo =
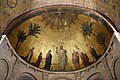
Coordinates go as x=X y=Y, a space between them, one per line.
x=43 y=8
x=40 y=8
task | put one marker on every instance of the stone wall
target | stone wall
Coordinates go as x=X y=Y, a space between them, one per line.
x=14 y=68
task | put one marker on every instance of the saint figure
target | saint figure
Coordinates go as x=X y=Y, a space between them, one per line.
x=29 y=55
x=48 y=60
x=75 y=59
x=93 y=53
x=38 y=60
x=84 y=58
x=62 y=58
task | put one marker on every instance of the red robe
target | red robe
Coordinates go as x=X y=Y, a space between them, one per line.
x=85 y=60
x=38 y=61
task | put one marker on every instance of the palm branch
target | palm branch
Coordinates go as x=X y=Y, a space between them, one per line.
x=34 y=29
x=86 y=29
x=101 y=39
x=21 y=37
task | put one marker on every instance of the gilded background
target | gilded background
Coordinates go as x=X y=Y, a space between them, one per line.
x=70 y=38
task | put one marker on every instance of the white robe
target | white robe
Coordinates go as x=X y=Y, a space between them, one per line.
x=62 y=59
x=29 y=55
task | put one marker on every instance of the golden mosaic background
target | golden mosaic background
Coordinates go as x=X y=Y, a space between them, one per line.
x=50 y=39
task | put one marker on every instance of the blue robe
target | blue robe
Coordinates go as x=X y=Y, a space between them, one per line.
x=94 y=54
x=48 y=61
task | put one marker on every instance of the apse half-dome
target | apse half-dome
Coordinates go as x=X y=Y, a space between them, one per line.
x=60 y=38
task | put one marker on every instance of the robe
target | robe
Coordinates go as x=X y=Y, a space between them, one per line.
x=94 y=54
x=75 y=60
x=62 y=59
x=48 y=61
x=38 y=61
x=29 y=56
x=85 y=59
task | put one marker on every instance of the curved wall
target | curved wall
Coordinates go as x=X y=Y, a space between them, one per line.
x=70 y=35
x=18 y=67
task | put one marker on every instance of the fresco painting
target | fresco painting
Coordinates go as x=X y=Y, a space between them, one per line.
x=59 y=44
